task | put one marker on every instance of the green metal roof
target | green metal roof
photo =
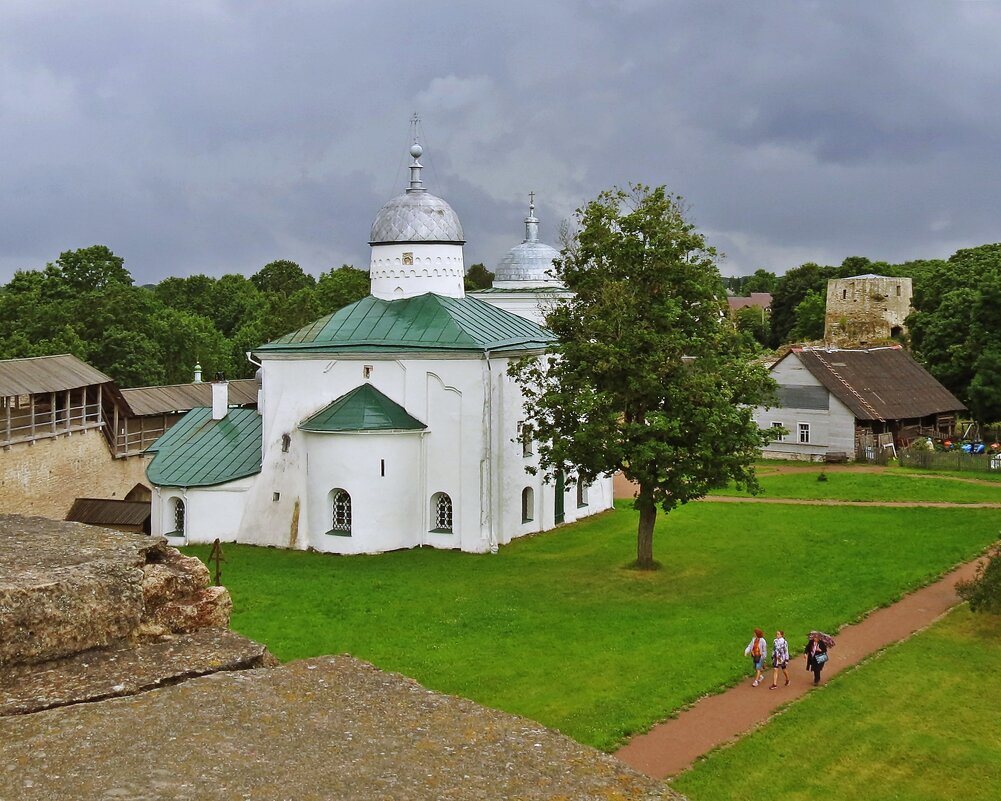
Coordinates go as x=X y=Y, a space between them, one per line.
x=425 y=323
x=201 y=452
x=364 y=408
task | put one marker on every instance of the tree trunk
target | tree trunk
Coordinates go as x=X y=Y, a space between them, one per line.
x=644 y=535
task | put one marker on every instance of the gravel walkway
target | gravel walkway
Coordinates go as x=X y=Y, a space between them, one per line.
x=674 y=745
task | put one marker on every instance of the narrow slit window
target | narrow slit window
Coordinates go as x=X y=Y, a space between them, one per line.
x=527 y=505
x=179 y=516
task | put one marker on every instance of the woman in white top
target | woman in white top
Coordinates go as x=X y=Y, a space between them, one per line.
x=780 y=658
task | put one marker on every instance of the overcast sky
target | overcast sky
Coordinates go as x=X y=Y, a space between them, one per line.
x=214 y=136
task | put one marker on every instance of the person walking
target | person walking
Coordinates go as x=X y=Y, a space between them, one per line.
x=756 y=649
x=816 y=655
x=780 y=659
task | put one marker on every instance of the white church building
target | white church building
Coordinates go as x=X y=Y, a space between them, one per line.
x=389 y=424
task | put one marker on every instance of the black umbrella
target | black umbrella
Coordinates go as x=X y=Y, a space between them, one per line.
x=826 y=639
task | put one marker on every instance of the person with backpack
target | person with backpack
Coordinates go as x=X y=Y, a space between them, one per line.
x=756 y=649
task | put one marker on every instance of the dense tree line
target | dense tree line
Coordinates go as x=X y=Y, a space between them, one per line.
x=86 y=303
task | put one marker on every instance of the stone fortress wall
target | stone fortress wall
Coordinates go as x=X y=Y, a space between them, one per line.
x=866 y=308
x=45 y=476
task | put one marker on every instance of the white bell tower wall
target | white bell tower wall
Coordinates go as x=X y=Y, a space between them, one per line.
x=404 y=270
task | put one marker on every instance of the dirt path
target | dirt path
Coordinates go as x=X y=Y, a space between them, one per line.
x=672 y=746
x=836 y=502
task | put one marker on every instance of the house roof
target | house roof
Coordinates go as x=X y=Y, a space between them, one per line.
x=47 y=374
x=879 y=383
x=182 y=397
x=202 y=452
x=425 y=323
x=364 y=408
x=107 y=512
x=762 y=299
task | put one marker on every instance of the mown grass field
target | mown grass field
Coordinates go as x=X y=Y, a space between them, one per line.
x=556 y=628
x=897 y=485
x=919 y=722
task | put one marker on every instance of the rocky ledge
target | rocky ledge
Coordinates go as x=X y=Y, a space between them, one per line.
x=68 y=587
x=320 y=729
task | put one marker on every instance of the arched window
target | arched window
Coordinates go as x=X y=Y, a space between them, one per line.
x=527 y=505
x=340 y=512
x=581 y=493
x=441 y=513
x=178 y=516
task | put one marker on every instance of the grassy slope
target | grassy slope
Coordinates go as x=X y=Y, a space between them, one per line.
x=554 y=628
x=918 y=723
x=909 y=485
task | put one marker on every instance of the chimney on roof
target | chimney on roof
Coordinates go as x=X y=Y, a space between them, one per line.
x=198 y=372
x=220 y=397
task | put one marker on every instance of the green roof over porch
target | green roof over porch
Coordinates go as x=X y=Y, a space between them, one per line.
x=202 y=452
x=425 y=323
x=364 y=408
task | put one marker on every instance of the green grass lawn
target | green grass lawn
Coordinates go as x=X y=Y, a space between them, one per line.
x=919 y=722
x=555 y=628
x=891 y=485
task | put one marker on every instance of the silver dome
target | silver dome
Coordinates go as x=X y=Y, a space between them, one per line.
x=529 y=261
x=416 y=216
x=532 y=260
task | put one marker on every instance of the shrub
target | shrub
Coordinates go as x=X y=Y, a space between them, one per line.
x=983 y=591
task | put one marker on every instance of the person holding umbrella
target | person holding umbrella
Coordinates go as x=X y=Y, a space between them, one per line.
x=816 y=652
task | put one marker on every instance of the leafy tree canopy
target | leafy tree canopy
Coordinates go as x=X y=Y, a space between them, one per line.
x=478 y=277
x=955 y=323
x=92 y=268
x=983 y=591
x=282 y=277
x=649 y=376
x=338 y=288
x=810 y=312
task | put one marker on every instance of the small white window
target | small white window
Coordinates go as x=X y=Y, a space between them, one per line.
x=804 y=432
x=340 y=503
x=178 y=515
x=286 y=443
x=527 y=505
x=366 y=371
x=779 y=436
x=581 y=493
x=441 y=513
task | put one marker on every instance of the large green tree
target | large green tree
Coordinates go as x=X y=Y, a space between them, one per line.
x=648 y=376
x=337 y=288
x=955 y=326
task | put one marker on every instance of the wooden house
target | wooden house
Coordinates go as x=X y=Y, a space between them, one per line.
x=838 y=404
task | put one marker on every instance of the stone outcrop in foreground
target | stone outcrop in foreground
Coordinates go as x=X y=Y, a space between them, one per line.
x=118 y=679
x=320 y=729
x=68 y=587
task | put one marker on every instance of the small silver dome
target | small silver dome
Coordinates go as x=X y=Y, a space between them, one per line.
x=532 y=260
x=529 y=261
x=416 y=216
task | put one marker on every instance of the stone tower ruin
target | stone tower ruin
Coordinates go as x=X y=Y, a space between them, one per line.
x=866 y=308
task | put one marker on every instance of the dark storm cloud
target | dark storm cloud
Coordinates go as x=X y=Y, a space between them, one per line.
x=211 y=136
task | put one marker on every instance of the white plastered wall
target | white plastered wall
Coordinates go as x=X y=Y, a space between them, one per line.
x=210 y=512
x=405 y=270
x=832 y=430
